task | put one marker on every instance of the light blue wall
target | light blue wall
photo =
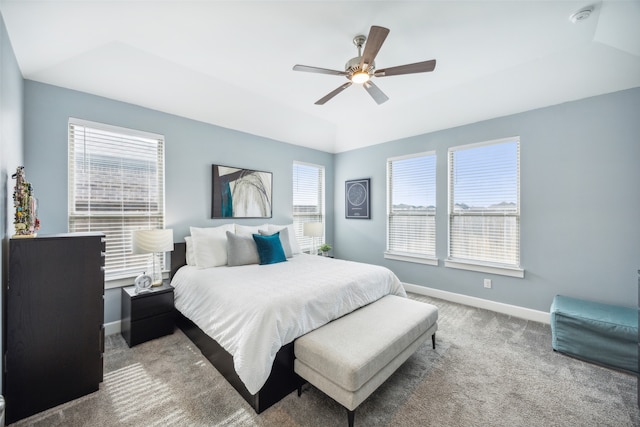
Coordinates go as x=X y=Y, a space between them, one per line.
x=11 y=143
x=191 y=148
x=580 y=199
x=579 y=175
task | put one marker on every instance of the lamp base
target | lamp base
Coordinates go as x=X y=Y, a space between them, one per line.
x=157 y=271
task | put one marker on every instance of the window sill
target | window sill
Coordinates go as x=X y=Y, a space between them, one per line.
x=398 y=256
x=485 y=268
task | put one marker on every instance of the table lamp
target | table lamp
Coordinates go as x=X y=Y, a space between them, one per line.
x=313 y=230
x=153 y=242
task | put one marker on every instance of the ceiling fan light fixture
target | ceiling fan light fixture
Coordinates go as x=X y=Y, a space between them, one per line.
x=362 y=68
x=360 y=77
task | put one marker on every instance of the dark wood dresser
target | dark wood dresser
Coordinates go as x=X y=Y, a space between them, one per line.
x=53 y=326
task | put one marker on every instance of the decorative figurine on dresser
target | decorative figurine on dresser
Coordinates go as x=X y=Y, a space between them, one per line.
x=53 y=329
x=26 y=221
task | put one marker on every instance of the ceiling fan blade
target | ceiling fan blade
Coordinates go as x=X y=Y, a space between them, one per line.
x=375 y=92
x=376 y=37
x=418 y=67
x=309 y=69
x=333 y=93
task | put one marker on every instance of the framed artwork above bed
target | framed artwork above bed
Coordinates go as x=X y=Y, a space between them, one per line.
x=357 y=203
x=240 y=193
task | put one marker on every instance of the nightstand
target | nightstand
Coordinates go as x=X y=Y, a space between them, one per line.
x=147 y=315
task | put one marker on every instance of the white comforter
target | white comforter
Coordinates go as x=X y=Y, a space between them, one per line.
x=253 y=310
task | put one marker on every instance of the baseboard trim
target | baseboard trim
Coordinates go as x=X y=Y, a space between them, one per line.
x=112 y=328
x=511 y=310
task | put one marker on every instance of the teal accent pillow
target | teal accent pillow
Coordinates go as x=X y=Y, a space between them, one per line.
x=270 y=249
x=284 y=239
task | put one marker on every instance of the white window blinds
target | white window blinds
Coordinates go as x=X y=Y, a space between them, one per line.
x=484 y=203
x=116 y=185
x=308 y=199
x=411 y=205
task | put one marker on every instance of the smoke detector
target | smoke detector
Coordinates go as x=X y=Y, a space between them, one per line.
x=581 y=15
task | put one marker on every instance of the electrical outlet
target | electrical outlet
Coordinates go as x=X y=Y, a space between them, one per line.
x=487 y=283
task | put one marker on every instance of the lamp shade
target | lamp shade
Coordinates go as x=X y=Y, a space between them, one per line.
x=152 y=241
x=312 y=229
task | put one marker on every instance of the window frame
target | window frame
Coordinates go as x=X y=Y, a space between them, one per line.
x=485 y=266
x=125 y=265
x=409 y=256
x=299 y=219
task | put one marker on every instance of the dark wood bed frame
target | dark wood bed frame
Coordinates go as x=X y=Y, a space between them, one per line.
x=282 y=380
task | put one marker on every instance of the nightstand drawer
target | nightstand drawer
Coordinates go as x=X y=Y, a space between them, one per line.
x=151 y=304
x=150 y=328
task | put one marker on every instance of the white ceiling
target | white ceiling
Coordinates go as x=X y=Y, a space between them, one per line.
x=230 y=62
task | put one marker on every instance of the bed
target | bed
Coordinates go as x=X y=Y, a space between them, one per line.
x=245 y=319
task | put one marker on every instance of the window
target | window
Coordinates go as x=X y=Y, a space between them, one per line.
x=484 y=207
x=411 y=208
x=116 y=185
x=308 y=199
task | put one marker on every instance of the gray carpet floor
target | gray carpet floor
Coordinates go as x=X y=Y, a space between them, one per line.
x=488 y=369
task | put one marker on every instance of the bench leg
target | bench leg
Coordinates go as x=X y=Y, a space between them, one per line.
x=299 y=390
x=433 y=340
x=350 y=416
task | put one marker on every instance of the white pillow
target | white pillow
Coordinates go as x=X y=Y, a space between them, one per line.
x=210 y=245
x=248 y=230
x=295 y=248
x=189 y=255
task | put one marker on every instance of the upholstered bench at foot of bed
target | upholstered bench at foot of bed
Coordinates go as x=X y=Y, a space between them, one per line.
x=349 y=358
x=601 y=333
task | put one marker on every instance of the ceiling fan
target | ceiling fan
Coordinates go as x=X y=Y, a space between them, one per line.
x=362 y=68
